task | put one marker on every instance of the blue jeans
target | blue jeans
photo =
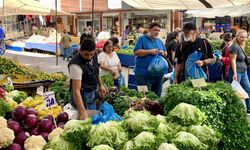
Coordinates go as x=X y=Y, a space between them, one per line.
x=244 y=82
x=88 y=99
x=154 y=83
x=66 y=53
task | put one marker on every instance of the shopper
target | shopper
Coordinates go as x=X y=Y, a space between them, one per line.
x=191 y=44
x=66 y=45
x=110 y=62
x=115 y=41
x=84 y=78
x=146 y=48
x=172 y=46
x=227 y=42
x=239 y=63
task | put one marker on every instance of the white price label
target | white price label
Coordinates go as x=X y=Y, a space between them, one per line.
x=142 y=88
x=10 y=81
x=49 y=99
x=199 y=82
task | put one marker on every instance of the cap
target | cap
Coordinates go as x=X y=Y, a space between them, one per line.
x=189 y=26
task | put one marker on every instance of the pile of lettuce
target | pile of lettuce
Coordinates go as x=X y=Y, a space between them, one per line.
x=224 y=111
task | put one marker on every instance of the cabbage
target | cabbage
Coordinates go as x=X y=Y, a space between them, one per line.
x=110 y=133
x=188 y=141
x=145 y=141
x=58 y=143
x=102 y=147
x=129 y=145
x=161 y=118
x=164 y=133
x=76 y=131
x=166 y=146
x=138 y=121
x=186 y=115
x=205 y=134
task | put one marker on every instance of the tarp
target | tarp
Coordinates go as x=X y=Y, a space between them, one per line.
x=182 y=4
x=26 y=7
x=232 y=11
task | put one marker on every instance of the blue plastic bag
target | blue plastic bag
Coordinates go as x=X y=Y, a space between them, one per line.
x=108 y=113
x=158 y=66
x=192 y=71
x=121 y=80
x=172 y=77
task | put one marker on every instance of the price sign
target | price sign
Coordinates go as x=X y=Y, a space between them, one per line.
x=49 y=99
x=10 y=81
x=142 y=88
x=199 y=82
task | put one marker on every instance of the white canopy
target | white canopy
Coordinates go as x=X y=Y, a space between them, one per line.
x=26 y=7
x=232 y=11
x=182 y=4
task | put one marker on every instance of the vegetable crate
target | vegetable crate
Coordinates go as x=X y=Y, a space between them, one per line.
x=131 y=79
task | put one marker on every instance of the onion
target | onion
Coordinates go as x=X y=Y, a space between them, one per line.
x=14 y=146
x=44 y=135
x=15 y=126
x=32 y=111
x=19 y=113
x=45 y=125
x=33 y=131
x=20 y=138
x=63 y=117
x=31 y=121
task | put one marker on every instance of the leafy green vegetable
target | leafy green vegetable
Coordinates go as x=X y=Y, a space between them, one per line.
x=138 y=121
x=152 y=96
x=188 y=141
x=61 y=90
x=166 y=146
x=145 y=140
x=205 y=134
x=110 y=133
x=107 y=80
x=76 y=131
x=121 y=104
x=164 y=133
x=17 y=96
x=58 y=143
x=129 y=145
x=102 y=147
x=161 y=119
x=186 y=115
x=4 y=107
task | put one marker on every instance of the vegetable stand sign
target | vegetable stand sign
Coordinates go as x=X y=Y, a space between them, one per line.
x=49 y=99
x=199 y=82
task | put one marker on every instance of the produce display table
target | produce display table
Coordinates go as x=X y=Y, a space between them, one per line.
x=31 y=87
x=49 y=47
x=126 y=60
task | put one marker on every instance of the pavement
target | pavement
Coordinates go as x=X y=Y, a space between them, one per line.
x=47 y=63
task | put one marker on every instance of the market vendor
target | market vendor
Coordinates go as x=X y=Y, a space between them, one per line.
x=146 y=48
x=84 y=78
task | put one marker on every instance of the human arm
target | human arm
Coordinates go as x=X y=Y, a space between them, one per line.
x=142 y=52
x=101 y=87
x=233 y=65
x=76 y=87
x=103 y=66
x=209 y=55
x=177 y=72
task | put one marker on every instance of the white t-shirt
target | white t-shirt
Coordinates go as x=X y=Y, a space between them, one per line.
x=112 y=63
x=75 y=72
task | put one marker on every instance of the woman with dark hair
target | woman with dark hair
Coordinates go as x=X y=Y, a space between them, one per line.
x=110 y=62
x=115 y=41
x=227 y=42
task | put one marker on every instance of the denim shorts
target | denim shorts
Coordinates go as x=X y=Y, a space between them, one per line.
x=88 y=100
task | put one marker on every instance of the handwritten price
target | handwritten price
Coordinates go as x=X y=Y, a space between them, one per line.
x=49 y=99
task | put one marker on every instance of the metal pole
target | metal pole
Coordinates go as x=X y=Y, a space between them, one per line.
x=93 y=5
x=56 y=34
x=3 y=22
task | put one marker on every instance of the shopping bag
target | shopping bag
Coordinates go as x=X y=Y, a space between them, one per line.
x=121 y=80
x=192 y=71
x=239 y=90
x=158 y=66
x=172 y=77
x=107 y=113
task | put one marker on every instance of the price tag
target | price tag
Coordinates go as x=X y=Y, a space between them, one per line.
x=142 y=88
x=199 y=82
x=49 y=99
x=10 y=81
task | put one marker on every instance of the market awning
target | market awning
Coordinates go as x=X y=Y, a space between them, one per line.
x=232 y=11
x=26 y=7
x=183 y=4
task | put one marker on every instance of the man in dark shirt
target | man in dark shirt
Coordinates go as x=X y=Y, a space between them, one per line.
x=191 y=43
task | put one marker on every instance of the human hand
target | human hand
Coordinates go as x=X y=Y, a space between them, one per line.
x=83 y=115
x=102 y=90
x=113 y=73
x=154 y=51
x=199 y=63
x=175 y=81
x=161 y=52
x=235 y=77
